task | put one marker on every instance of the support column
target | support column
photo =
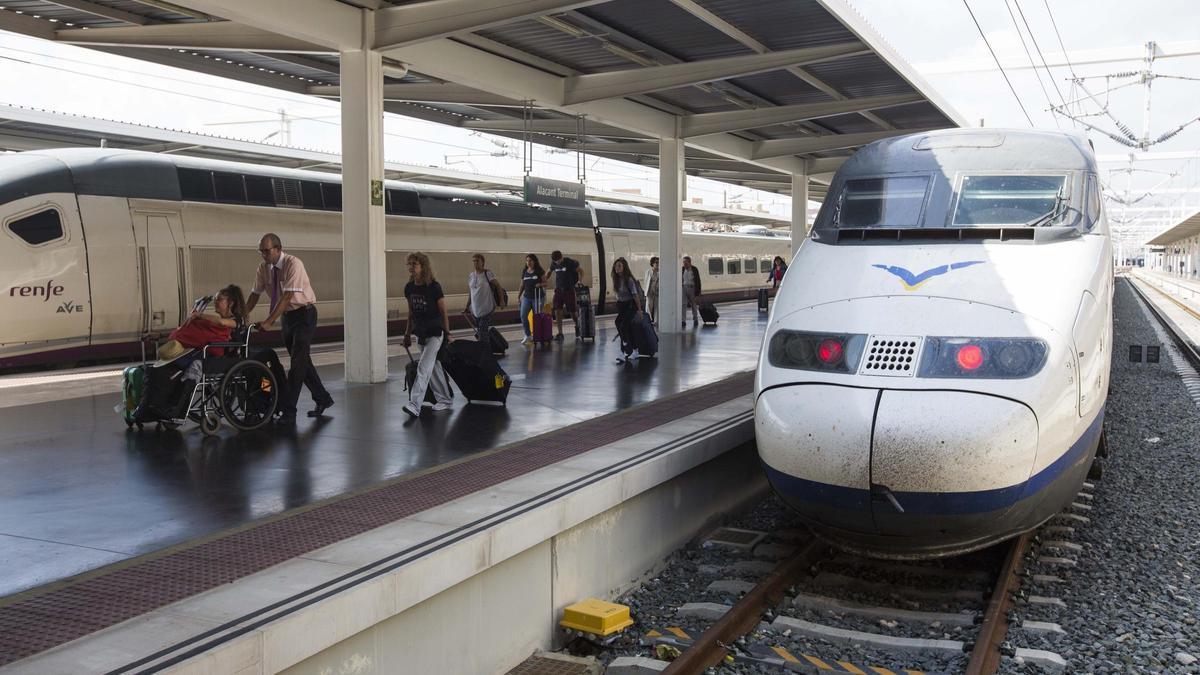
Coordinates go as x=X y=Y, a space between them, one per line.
x=799 y=211
x=364 y=272
x=670 y=233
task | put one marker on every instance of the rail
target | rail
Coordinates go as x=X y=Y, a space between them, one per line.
x=985 y=656
x=1181 y=342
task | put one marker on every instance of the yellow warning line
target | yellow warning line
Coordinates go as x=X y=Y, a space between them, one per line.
x=882 y=671
x=817 y=662
x=850 y=668
x=785 y=655
x=678 y=632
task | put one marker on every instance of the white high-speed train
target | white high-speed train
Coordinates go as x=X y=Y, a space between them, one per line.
x=935 y=369
x=98 y=246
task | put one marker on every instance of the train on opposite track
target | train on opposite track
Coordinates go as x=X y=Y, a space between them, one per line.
x=98 y=246
x=935 y=369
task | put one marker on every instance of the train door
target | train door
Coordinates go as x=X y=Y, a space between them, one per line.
x=163 y=267
x=45 y=297
x=1090 y=335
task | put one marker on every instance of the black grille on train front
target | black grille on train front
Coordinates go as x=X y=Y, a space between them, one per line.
x=967 y=234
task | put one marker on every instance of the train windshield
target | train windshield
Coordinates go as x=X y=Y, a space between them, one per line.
x=1007 y=199
x=882 y=202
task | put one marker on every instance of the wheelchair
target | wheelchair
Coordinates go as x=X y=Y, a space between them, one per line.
x=231 y=388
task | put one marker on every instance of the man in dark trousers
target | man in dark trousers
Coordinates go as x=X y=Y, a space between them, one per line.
x=690 y=280
x=566 y=273
x=285 y=280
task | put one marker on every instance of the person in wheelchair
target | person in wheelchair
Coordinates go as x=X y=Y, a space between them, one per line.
x=207 y=344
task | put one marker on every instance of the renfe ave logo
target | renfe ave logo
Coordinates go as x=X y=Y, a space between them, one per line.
x=45 y=292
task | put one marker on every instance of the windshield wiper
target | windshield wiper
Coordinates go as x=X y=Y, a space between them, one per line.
x=1053 y=213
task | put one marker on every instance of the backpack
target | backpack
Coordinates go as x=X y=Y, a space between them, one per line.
x=498 y=293
x=641 y=294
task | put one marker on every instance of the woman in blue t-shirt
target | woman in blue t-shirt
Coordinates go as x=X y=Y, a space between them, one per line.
x=428 y=321
x=532 y=278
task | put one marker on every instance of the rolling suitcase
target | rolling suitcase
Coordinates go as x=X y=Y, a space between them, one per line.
x=763 y=298
x=473 y=368
x=645 y=340
x=410 y=376
x=542 y=326
x=585 y=322
x=497 y=341
x=133 y=379
x=709 y=313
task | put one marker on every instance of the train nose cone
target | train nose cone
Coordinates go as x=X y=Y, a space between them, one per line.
x=899 y=473
x=955 y=462
x=815 y=443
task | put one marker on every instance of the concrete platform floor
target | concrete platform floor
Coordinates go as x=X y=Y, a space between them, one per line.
x=79 y=491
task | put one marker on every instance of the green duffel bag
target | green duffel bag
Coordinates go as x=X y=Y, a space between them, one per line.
x=133 y=379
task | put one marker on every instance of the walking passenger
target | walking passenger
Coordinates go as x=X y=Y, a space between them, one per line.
x=428 y=321
x=567 y=273
x=650 y=284
x=628 y=308
x=481 y=300
x=778 y=269
x=532 y=278
x=284 y=278
x=691 y=293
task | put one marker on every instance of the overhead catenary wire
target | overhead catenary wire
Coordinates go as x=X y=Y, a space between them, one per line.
x=1036 y=73
x=997 y=60
x=1041 y=55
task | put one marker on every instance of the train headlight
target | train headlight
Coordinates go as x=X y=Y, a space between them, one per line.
x=828 y=352
x=995 y=358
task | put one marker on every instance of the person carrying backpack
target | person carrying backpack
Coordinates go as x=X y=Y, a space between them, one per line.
x=566 y=272
x=481 y=296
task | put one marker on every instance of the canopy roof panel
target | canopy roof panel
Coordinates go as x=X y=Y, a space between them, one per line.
x=636 y=70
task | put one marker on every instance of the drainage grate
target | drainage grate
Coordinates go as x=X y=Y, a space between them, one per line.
x=734 y=538
x=556 y=664
x=892 y=356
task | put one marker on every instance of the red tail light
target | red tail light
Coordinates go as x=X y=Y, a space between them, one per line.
x=969 y=357
x=830 y=351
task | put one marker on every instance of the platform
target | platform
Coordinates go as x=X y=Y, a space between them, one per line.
x=80 y=492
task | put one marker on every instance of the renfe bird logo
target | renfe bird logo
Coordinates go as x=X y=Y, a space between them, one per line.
x=912 y=281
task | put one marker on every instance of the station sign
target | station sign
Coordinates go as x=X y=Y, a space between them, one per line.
x=553 y=192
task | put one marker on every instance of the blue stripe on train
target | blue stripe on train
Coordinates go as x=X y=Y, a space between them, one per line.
x=855 y=499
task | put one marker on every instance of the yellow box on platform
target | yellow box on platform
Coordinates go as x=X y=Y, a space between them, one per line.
x=597 y=617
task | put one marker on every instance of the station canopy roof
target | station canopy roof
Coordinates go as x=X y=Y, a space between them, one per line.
x=758 y=89
x=1186 y=228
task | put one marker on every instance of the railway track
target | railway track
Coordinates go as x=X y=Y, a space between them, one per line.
x=975 y=614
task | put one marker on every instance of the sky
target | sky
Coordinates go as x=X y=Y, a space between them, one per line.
x=938 y=38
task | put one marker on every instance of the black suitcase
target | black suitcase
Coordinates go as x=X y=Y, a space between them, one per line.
x=410 y=376
x=645 y=340
x=763 y=298
x=497 y=341
x=585 y=325
x=709 y=313
x=475 y=371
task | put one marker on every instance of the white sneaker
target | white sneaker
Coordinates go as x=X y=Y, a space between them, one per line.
x=442 y=405
x=525 y=340
x=412 y=409
x=621 y=359
x=633 y=356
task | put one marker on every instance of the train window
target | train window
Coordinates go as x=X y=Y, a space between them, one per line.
x=230 y=187
x=716 y=266
x=39 y=228
x=748 y=265
x=628 y=220
x=196 y=185
x=1008 y=199
x=764 y=265
x=403 y=203
x=286 y=192
x=333 y=196
x=259 y=191
x=882 y=202
x=310 y=192
x=734 y=266
x=1093 y=201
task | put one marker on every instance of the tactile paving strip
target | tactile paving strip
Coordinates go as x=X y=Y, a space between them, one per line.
x=35 y=622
